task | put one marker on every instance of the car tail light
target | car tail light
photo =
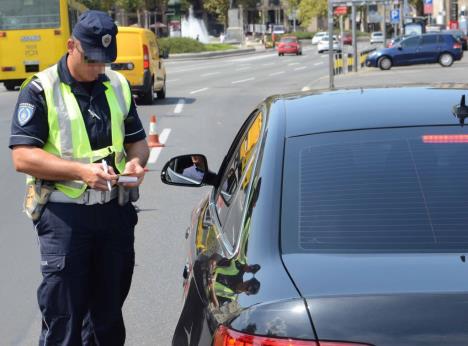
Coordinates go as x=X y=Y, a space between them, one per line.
x=145 y=57
x=228 y=337
x=457 y=45
x=2 y=34
x=445 y=138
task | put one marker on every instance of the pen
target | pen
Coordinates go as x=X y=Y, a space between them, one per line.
x=106 y=169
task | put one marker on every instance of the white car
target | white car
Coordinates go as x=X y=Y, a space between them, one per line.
x=278 y=29
x=317 y=37
x=376 y=37
x=324 y=44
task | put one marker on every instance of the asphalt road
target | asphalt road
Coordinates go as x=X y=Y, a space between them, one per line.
x=206 y=103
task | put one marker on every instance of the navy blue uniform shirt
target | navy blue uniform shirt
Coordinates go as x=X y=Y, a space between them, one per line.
x=30 y=125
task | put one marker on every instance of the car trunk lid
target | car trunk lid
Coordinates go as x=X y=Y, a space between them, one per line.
x=394 y=299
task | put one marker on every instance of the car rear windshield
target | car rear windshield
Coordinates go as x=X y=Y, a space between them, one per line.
x=382 y=190
x=288 y=40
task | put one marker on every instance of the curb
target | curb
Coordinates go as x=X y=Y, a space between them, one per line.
x=211 y=55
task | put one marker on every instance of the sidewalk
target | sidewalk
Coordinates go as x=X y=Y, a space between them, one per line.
x=430 y=74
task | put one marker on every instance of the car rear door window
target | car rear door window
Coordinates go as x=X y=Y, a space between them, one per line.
x=399 y=190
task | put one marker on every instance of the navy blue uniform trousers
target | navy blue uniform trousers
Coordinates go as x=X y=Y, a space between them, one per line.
x=87 y=260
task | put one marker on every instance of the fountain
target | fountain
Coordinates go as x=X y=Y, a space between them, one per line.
x=193 y=27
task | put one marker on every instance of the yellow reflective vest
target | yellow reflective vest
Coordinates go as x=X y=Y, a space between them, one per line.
x=68 y=138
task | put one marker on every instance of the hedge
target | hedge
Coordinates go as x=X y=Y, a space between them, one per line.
x=176 y=45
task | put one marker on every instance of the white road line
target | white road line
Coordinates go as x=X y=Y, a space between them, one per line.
x=198 y=91
x=180 y=106
x=209 y=74
x=164 y=135
x=276 y=73
x=300 y=68
x=294 y=63
x=243 y=80
x=154 y=153
x=306 y=88
x=266 y=56
x=318 y=63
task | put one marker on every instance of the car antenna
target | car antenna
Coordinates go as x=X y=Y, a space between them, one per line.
x=461 y=111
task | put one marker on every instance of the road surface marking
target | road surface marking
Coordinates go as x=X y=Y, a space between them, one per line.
x=294 y=63
x=209 y=74
x=266 y=56
x=180 y=106
x=198 y=91
x=306 y=88
x=318 y=63
x=300 y=68
x=154 y=153
x=277 y=73
x=243 y=80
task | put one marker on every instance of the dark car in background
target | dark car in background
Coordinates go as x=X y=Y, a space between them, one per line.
x=459 y=35
x=418 y=49
x=336 y=219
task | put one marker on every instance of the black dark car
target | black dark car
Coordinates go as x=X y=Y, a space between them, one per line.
x=336 y=219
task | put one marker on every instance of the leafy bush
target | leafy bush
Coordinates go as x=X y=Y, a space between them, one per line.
x=302 y=35
x=212 y=47
x=188 y=45
x=181 y=45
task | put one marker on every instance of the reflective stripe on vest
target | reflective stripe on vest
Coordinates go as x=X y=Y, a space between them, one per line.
x=68 y=137
x=224 y=291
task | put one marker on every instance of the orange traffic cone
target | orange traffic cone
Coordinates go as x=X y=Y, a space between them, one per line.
x=153 y=138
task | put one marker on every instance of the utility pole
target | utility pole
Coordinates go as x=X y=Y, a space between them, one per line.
x=330 y=44
x=355 y=57
x=385 y=24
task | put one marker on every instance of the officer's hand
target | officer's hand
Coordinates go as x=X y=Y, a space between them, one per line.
x=134 y=169
x=95 y=177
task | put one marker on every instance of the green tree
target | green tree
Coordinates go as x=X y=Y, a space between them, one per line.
x=130 y=5
x=219 y=8
x=102 y=5
x=309 y=9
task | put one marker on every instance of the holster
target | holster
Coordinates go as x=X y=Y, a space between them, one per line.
x=37 y=196
x=128 y=195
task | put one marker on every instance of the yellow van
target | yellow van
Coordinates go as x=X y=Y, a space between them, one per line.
x=140 y=61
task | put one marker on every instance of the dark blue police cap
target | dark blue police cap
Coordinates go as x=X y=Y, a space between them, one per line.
x=96 y=32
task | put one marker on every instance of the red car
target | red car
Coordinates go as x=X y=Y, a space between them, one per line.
x=289 y=45
x=347 y=38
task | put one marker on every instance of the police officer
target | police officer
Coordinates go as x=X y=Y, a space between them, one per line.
x=69 y=119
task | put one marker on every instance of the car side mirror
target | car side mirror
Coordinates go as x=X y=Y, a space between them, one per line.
x=187 y=170
x=399 y=46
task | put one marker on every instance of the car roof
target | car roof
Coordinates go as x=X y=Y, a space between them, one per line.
x=355 y=109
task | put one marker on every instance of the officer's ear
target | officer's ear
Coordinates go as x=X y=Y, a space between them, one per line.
x=70 y=45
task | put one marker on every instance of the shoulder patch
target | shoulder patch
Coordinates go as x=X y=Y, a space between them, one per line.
x=25 y=113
